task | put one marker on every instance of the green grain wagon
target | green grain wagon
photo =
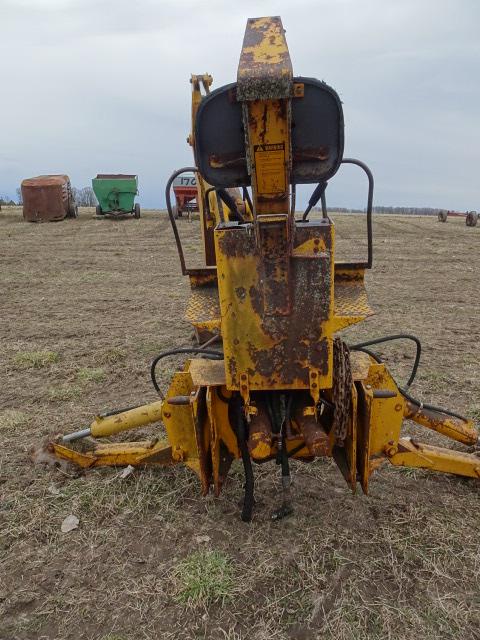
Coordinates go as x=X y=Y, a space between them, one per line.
x=116 y=194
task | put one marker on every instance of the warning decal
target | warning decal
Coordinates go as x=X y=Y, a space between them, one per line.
x=270 y=168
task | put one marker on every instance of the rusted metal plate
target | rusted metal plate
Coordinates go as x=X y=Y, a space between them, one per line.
x=207 y=373
x=274 y=246
x=276 y=350
x=265 y=69
x=46 y=198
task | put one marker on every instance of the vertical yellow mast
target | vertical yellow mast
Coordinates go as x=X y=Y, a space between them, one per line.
x=264 y=86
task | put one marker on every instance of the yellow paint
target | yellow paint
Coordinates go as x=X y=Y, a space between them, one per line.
x=414 y=454
x=118 y=454
x=199 y=433
x=272 y=47
x=138 y=417
x=461 y=430
x=269 y=145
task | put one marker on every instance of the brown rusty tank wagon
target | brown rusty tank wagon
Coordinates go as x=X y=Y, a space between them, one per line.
x=48 y=198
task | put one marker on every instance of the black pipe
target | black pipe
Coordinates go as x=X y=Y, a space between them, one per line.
x=397 y=336
x=231 y=204
x=241 y=433
x=324 y=205
x=215 y=355
x=407 y=396
x=315 y=197
x=171 y=216
x=363 y=166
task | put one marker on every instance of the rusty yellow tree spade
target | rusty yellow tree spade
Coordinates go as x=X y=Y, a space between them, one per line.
x=270 y=379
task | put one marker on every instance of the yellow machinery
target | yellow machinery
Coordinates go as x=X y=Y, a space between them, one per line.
x=270 y=379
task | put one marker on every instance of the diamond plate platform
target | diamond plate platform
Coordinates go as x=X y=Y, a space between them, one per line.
x=203 y=308
x=351 y=300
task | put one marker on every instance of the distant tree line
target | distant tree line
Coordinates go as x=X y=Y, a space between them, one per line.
x=407 y=211
x=84 y=197
x=404 y=211
x=6 y=200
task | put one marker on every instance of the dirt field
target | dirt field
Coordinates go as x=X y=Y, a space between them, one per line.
x=84 y=306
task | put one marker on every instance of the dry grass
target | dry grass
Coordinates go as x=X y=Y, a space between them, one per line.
x=151 y=558
x=34 y=359
x=91 y=374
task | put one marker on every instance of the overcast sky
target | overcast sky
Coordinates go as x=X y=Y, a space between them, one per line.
x=91 y=86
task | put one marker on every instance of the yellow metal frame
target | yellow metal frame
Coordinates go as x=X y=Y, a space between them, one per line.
x=263 y=283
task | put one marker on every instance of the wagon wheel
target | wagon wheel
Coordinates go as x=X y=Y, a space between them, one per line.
x=136 y=211
x=471 y=219
x=442 y=216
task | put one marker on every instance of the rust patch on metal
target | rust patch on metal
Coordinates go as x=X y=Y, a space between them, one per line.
x=236 y=241
x=349 y=276
x=241 y=293
x=316 y=439
x=289 y=361
x=265 y=70
x=202 y=277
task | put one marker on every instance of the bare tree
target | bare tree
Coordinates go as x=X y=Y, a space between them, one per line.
x=5 y=200
x=84 y=197
x=19 y=196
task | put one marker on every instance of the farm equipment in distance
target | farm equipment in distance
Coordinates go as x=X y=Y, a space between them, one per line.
x=471 y=217
x=48 y=198
x=116 y=195
x=185 y=191
x=270 y=377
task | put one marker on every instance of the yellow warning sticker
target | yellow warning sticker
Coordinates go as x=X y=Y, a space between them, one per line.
x=270 y=168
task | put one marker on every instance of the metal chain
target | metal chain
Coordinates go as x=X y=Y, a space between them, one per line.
x=342 y=391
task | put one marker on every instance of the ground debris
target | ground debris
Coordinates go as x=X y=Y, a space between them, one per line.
x=126 y=472
x=70 y=523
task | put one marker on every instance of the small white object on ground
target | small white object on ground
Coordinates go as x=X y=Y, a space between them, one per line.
x=127 y=471
x=70 y=523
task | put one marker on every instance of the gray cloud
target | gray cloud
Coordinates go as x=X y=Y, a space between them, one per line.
x=103 y=86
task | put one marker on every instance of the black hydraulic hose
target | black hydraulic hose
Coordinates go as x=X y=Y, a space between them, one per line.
x=407 y=396
x=284 y=457
x=231 y=204
x=114 y=412
x=215 y=355
x=397 y=336
x=315 y=197
x=371 y=183
x=240 y=432
x=431 y=407
x=171 y=216
x=324 y=205
x=296 y=449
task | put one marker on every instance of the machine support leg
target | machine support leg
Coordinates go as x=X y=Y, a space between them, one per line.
x=461 y=430
x=415 y=454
